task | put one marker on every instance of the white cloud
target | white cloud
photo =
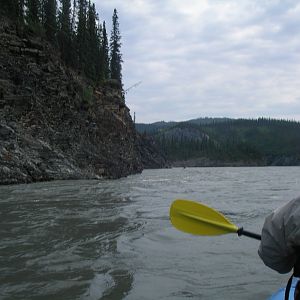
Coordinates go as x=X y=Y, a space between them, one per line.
x=210 y=57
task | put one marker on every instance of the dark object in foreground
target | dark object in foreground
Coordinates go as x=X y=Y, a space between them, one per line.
x=280 y=245
x=241 y=231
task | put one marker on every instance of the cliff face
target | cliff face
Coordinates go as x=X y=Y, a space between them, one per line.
x=53 y=125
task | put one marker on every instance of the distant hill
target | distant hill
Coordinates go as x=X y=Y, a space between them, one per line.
x=223 y=141
x=154 y=128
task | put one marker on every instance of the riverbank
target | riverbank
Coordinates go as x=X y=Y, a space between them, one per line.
x=206 y=162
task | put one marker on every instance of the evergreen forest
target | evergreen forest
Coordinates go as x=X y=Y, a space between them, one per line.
x=249 y=142
x=73 y=27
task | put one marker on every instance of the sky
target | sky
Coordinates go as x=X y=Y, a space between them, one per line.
x=209 y=58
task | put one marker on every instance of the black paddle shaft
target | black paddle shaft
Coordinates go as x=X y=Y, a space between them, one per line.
x=241 y=231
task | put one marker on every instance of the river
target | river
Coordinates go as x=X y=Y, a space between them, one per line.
x=112 y=239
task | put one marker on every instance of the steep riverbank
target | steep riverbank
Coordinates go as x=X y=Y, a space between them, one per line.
x=55 y=125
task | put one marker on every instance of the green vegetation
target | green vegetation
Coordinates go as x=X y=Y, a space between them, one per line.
x=115 y=45
x=75 y=29
x=50 y=23
x=87 y=96
x=260 y=141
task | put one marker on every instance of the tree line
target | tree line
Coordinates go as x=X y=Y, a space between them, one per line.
x=75 y=29
x=262 y=140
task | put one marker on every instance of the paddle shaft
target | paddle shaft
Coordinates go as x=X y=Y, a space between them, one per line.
x=241 y=231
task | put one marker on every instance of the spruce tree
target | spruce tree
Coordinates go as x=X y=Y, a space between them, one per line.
x=6 y=6
x=81 y=35
x=92 y=54
x=65 y=31
x=73 y=54
x=20 y=10
x=50 y=20
x=115 y=54
x=99 y=64
x=104 y=53
x=42 y=13
x=73 y=22
x=11 y=8
x=33 y=13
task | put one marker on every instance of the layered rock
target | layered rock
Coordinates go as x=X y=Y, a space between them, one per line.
x=55 y=125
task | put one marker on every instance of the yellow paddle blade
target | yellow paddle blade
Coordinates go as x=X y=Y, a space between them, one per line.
x=197 y=218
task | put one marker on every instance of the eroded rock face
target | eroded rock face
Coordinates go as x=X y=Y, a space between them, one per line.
x=53 y=125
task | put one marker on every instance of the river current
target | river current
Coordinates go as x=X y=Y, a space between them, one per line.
x=112 y=239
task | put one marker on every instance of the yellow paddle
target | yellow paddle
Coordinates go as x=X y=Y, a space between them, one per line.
x=197 y=218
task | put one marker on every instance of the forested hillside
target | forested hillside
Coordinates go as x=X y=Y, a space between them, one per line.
x=229 y=142
x=75 y=30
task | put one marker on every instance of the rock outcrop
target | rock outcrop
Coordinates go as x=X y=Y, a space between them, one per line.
x=55 y=125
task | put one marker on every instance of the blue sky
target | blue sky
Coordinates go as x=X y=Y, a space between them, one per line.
x=209 y=58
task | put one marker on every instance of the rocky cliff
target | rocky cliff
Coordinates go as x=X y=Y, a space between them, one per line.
x=55 y=125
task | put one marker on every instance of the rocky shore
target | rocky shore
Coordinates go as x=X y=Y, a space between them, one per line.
x=55 y=125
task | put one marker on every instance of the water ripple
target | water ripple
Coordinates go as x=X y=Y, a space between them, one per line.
x=113 y=239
